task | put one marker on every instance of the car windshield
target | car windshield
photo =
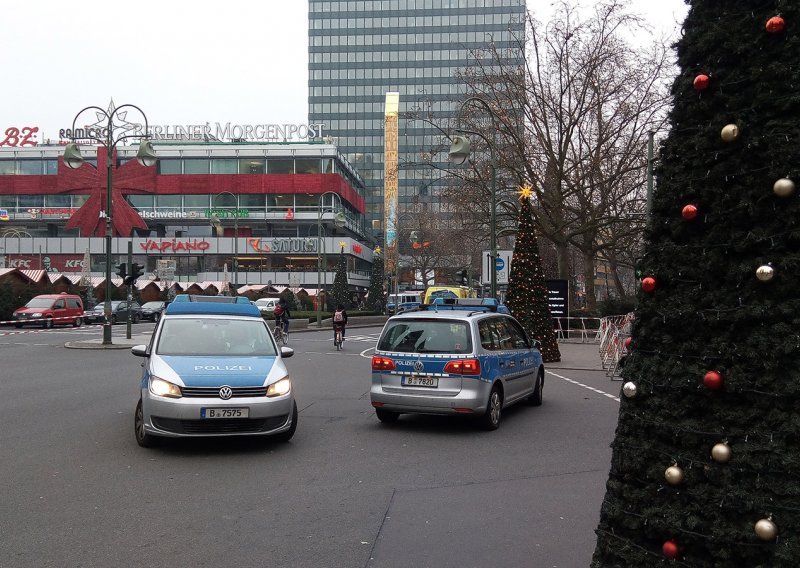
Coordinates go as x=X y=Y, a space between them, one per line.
x=426 y=336
x=39 y=303
x=152 y=305
x=203 y=336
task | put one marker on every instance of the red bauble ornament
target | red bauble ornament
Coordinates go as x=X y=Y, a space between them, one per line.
x=670 y=549
x=775 y=24
x=648 y=284
x=628 y=341
x=712 y=380
x=701 y=82
x=689 y=212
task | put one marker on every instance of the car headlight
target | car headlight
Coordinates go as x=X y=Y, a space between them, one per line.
x=160 y=387
x=36 y=315
x=280 y=388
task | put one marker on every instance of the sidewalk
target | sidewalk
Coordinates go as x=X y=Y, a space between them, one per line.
x=579 y=357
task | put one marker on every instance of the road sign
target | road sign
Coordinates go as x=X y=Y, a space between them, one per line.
x=502 y=265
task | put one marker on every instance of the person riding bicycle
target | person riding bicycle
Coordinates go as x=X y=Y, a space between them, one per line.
x=339 y=321
x=282 y=314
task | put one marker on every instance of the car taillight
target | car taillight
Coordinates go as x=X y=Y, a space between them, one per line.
x=463 y=367
x=382 y=363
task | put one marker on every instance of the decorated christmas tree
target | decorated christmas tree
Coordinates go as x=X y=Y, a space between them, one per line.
x=527 y=290
x=339 y=293
x=706 y=460
x=375 y=294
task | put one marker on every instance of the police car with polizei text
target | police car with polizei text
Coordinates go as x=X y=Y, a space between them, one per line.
x=212 y=368
x=457 y=357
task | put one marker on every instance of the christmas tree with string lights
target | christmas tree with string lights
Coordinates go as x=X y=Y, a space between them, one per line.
x=339 y=293
x=527 y=291
x=375 y=294
x=705 y=470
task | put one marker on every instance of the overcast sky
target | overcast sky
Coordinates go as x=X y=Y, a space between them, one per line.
x=181 y=61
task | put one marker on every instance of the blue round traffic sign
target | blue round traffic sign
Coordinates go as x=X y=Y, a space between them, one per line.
x=499 y=263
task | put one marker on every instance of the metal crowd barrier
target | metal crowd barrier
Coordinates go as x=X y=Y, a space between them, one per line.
x=614 y=330
x=578 y=329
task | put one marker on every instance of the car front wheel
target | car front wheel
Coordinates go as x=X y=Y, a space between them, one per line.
x=144 y=439
x=287 y=435
x=48 y=323
x=536 y=396
x=78 y=322
x=494 y=410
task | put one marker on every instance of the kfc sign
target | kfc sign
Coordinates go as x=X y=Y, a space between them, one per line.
x=175 y=245
x=47 y=262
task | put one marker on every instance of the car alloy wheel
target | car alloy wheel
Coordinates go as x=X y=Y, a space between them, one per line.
x=78 y=322
x=494 y=409
x=144 y=439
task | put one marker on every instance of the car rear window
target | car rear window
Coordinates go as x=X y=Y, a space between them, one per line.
x=426 y=336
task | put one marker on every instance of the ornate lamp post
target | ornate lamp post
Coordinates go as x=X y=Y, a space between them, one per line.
x=104 y=133
x=459 y=152
x=339 y=220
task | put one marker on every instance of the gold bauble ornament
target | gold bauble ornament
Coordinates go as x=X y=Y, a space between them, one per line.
x=784 y=187
x=765 y=273
x=766 y=529
x=721 y=452
x=730 y=132
x=629 y=389
x=674 y=475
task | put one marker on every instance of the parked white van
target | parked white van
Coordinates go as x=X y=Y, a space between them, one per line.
x=267 y=305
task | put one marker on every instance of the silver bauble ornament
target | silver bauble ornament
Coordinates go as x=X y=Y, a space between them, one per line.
x=721 y=452
x=674 y=475
x=766 y=529
x=629 y=389
x=765 y=273
x=784 y=187
x=730 y=132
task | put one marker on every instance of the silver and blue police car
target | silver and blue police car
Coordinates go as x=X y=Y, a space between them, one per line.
x=213 y=369
x=460 y=358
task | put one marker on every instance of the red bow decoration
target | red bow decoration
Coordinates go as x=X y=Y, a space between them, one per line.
x=129 y=178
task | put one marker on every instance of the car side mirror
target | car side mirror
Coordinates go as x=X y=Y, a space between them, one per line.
x=286 y=352
x=140 y=350
x=537 y=344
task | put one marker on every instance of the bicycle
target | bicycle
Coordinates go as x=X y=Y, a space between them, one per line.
x=338 y=339
x=280 y=335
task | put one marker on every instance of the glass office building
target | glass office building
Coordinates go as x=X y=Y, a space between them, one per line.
x=361 y=49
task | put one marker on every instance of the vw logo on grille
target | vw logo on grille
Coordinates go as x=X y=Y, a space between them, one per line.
x=419 y=366
x=225 y=393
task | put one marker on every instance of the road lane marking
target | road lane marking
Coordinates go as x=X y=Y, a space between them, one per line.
x=574 y=382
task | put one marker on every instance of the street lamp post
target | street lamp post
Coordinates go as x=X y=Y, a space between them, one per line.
x=146 y=156
x=459 y=152
x=339 y=221
x=235 y=236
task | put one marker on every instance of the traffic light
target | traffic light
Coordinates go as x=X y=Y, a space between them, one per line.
x=122 y=270
x=463 y=276
x=136 y=272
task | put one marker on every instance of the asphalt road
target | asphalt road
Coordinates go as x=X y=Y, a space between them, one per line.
x=347 y=491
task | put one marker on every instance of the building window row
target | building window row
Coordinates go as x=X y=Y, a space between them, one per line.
x=442 y=19
x=392 y=41
x=338 y=6
x=420 y=56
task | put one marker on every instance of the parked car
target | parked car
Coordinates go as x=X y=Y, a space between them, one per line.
x=213 y=369
x=151 y=311
x=267 y=305
x=48 y=310
x=463 y=358
x=119 y=312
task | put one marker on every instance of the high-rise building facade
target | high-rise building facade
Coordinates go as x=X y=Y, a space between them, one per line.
x=360 y=50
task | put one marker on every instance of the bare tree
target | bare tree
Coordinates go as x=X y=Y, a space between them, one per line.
x=572 y=121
